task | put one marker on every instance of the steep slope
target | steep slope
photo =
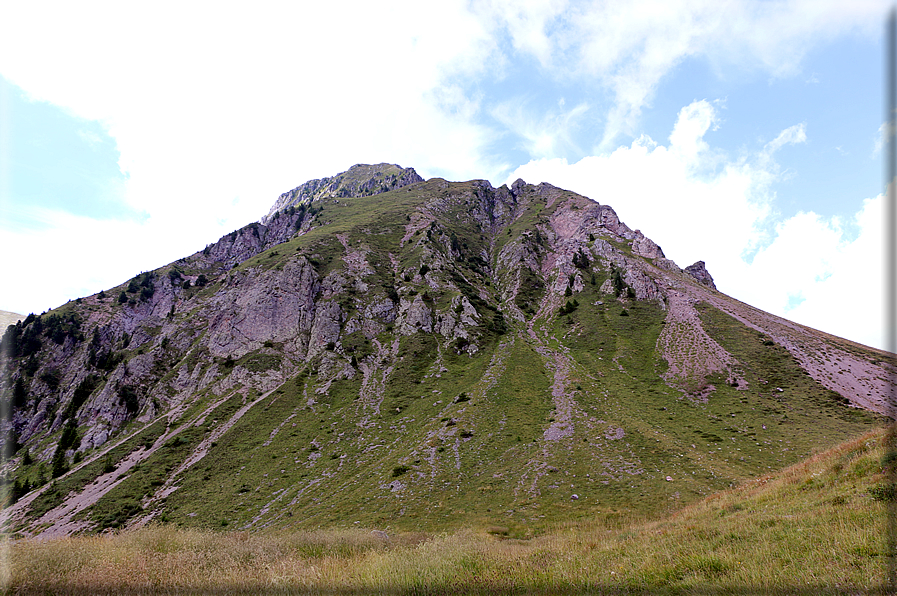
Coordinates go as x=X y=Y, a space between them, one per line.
x=387 y=350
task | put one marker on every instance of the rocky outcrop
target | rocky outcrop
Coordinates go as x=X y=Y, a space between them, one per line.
x=272 y=305
x=645 y=247
x=701 y=275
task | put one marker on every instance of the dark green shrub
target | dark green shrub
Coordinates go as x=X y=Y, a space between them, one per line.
x=886 y=493
x=498 y=325
x=52 y=378
x=11 y=444
x=82 y=392
x=19 y=394
x=59 y=466
x=128 y=396
x=69 y=436
x=619 y=284
x=569 y=307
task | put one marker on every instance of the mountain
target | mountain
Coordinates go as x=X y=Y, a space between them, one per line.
x=388 y=351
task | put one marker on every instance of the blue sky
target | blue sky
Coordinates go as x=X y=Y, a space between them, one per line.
x=740 y=133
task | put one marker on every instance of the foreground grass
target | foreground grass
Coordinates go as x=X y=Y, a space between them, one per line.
x=815 y=527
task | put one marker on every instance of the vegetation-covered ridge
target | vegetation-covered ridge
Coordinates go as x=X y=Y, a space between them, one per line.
x=424 y=355
x=816 y=527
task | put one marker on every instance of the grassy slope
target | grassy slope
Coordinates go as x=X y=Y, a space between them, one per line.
x=815 y=527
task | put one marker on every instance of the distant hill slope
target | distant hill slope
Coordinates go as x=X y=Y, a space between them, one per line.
x=9 y=318
x=415 y=354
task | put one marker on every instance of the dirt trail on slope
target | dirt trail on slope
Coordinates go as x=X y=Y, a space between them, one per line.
x=198 y=454
x=374 y=379
x=60 y=521
x=17 y=511
x=565 y=406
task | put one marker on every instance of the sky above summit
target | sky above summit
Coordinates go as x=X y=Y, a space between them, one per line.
x=743 y=134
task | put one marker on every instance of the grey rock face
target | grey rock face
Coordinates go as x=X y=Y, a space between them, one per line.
x=701 y=275
x=359 y=180
x=645 y=247
x=277 y=305
x=414 y=316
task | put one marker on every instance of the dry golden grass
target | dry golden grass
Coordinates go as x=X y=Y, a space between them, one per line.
x=813 y=527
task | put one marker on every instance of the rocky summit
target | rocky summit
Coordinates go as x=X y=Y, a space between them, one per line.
x=385 y=351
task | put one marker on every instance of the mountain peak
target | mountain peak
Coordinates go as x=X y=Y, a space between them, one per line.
x=360 y=180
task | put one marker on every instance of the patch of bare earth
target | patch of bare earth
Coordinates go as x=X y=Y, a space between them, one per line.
x=692 y=355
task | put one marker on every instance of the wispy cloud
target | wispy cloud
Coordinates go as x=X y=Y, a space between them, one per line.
x=543 y=133
x=790 y=136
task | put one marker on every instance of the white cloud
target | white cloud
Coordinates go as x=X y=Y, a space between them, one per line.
x=846 y=296
x=74 y=256
x=881 y=138
x=215 y=112
x=723 y=215
x=207 y=104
